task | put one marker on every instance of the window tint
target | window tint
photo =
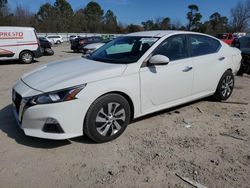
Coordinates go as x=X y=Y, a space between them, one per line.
x=202 y=45
x=174 y=48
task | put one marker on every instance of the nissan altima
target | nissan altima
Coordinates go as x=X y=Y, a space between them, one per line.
x=129 y=77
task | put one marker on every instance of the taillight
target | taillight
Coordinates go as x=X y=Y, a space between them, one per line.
x=81 y=41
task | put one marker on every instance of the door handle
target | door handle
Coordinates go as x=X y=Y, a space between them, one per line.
x=221 y=58
x=187 y=69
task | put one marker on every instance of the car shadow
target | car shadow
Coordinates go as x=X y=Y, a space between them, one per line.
x=15 y=62
x=173 y=110
x=9 y=126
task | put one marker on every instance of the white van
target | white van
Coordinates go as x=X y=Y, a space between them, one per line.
x=19 y=43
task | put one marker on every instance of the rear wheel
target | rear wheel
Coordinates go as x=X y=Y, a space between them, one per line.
x=26 y=57
x=48 y=51
x=225 y=86
x=107 y=118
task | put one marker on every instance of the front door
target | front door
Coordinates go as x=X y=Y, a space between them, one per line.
x=162 y=84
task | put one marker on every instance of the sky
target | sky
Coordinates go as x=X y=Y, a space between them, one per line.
x=136 y=11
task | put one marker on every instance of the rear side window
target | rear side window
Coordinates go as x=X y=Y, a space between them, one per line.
x=202 y=45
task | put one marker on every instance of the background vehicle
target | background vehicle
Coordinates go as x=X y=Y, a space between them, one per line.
x=226 y=37
x=52 y=42
x=45 y=46
x=78 y=44
x=72 y=38
x=19 y=43
x=89 y=48
x=243 y=43
x=131 y=76
x=56 y=38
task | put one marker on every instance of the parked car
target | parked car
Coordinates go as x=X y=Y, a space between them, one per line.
x=72 y=38
x=243 y=43
x=89 y=48
x=56 y=38
x=226 y=37
x=19 y=43
x=45 y=46
x=52 y=42
x=129 y=77
x=78 y=44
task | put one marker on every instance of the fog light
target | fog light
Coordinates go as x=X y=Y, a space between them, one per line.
x=52 y=126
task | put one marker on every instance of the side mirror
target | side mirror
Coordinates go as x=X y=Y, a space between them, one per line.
x=159 y=60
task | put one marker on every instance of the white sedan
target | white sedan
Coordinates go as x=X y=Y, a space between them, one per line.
x=129 y=77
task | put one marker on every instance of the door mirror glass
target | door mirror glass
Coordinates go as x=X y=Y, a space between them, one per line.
x=159 y=60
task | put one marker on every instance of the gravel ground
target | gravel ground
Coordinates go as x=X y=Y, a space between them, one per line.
x=205 y=141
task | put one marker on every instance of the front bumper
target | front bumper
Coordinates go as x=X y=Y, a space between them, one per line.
x=69 y=115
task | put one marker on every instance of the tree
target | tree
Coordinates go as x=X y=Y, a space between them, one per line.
x=3 y=3
x=148 y=25
x=110 y=24
x=93 y=15
x=240 y=16
x=216 y=24
x=133 y=28
x=22 y=17
x=45 y=18
x=79 y=23
x=165 y=23
x=194 y=18
x=64 y=14
x=3 y=11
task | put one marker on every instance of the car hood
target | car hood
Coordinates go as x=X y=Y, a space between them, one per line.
x=70 y=72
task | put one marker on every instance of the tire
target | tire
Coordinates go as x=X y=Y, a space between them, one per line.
x=58 y=42
x=107 y=118
x=48 y=51
x=225 y=86
x=26 y=57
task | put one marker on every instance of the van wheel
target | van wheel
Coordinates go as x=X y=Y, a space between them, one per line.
x=26 y=57
x=225 y=86
x=58 y=42
x=107 y=118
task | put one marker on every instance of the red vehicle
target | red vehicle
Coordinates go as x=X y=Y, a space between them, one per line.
x=226 y=37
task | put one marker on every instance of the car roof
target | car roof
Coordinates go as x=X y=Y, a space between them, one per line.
x=157 y=33
x=18 y=28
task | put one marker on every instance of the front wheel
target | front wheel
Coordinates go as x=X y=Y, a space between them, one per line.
x=26 y=57
x=225 y=86
x=107 y=118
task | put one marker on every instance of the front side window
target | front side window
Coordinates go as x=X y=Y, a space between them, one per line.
x=202 y=45
x=174 y=48
x=123 y=50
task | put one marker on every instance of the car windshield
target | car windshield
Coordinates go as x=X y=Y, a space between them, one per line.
x=244 y=42
x=123 y=50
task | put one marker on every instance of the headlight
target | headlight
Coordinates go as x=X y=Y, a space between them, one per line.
x=56 y=96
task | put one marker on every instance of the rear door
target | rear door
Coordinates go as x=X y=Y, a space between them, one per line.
x=208 y=62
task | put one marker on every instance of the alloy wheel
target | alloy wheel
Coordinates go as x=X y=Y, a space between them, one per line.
x=227 y=86
x=110 y=119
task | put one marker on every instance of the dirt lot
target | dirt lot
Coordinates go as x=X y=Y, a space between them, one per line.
x=206 y=142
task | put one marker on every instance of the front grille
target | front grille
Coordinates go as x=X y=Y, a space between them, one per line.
x=16 y=98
